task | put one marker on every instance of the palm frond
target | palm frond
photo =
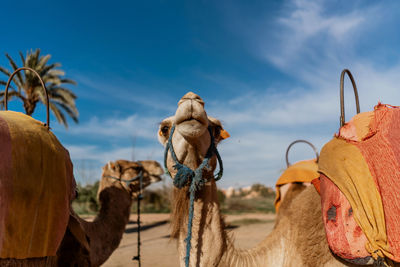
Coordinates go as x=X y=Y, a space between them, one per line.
x=74 y=116
x=5 y=83
x=8 y=73
x=36 y=56
x=59 y=115
x=66 y=101
x=39 y=91
x=5 y=71
x=72 y=110
x=61 y=90
x=68 y=81
x=49 y=67
x=11 y=95
x=63 y=97
x=56 y=72
x=15 y=67
x=51 y=79
x=22 y=58
x=42 y=62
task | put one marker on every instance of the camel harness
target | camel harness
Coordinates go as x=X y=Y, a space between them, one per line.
x=185 y=174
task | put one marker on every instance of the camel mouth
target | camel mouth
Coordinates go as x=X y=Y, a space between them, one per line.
x=191 y=123
x=190 y=120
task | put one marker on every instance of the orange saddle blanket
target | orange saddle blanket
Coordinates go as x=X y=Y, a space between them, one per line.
x=360 y=187
x=301 y=172
x=36 y=188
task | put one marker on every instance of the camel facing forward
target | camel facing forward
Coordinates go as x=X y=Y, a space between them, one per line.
x=298 y=238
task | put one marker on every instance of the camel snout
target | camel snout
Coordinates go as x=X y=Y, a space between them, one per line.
x=191 y=96
x=191 y=112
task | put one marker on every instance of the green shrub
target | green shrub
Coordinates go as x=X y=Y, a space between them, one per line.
x=86 y=202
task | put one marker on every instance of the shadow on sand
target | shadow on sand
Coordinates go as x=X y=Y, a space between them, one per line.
x=144 y=227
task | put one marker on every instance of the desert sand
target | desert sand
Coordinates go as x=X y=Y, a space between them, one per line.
x=158 y=250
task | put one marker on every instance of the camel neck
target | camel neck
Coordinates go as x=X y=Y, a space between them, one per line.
x=106 y=230
x=208 y=235
x=211 y=245
x=268 y=253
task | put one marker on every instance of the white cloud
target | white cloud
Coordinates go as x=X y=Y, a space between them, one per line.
x=310 y=44
x=134 y=125
x=99 y=154
x=262 y=125
x=308 y=18
x=124 y=91
x=311 y=34
x=89 y=159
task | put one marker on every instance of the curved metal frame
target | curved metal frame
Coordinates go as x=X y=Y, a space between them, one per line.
x=300 y=141
x=342 y=120
x=43 y=86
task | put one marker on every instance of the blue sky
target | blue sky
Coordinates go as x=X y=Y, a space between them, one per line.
x=269 y=70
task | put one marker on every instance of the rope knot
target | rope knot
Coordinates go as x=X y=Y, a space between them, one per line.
x=198 y=181
x=183 y=176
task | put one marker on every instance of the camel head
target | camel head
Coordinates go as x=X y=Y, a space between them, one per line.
x=191 y=138
x=125 y=174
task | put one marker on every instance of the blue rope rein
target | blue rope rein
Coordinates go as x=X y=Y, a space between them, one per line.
x=185 y=174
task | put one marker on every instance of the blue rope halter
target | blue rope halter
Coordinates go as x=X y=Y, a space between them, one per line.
x=185 y=174
x=127 y=182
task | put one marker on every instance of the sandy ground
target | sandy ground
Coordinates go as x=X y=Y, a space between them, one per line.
x=158 y=250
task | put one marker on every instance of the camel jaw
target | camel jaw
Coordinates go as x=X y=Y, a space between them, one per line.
x=191 y=129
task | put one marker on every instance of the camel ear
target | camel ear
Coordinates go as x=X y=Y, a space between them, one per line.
x=224 y=134
x=114 y=166
x=110 y=165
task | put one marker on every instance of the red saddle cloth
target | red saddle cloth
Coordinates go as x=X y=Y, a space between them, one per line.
x=345 y=238
x=362 y=222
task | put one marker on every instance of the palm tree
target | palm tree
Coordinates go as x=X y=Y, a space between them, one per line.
x=30 y=91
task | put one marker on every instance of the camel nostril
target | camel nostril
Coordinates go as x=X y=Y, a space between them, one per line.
x=201 y=102
x=191 y=96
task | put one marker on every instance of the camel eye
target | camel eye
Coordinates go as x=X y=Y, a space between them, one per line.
x=165 y=130
x=217 y=131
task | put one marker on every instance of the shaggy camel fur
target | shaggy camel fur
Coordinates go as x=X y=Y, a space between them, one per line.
x=92 y=243
x=298 y=238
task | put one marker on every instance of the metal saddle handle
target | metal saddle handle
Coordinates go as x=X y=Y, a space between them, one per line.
x=342 y=120
x=300 y=141
x=43 y=86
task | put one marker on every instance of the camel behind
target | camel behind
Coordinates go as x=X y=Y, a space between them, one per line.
x=36 y=188
x=302 y=172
